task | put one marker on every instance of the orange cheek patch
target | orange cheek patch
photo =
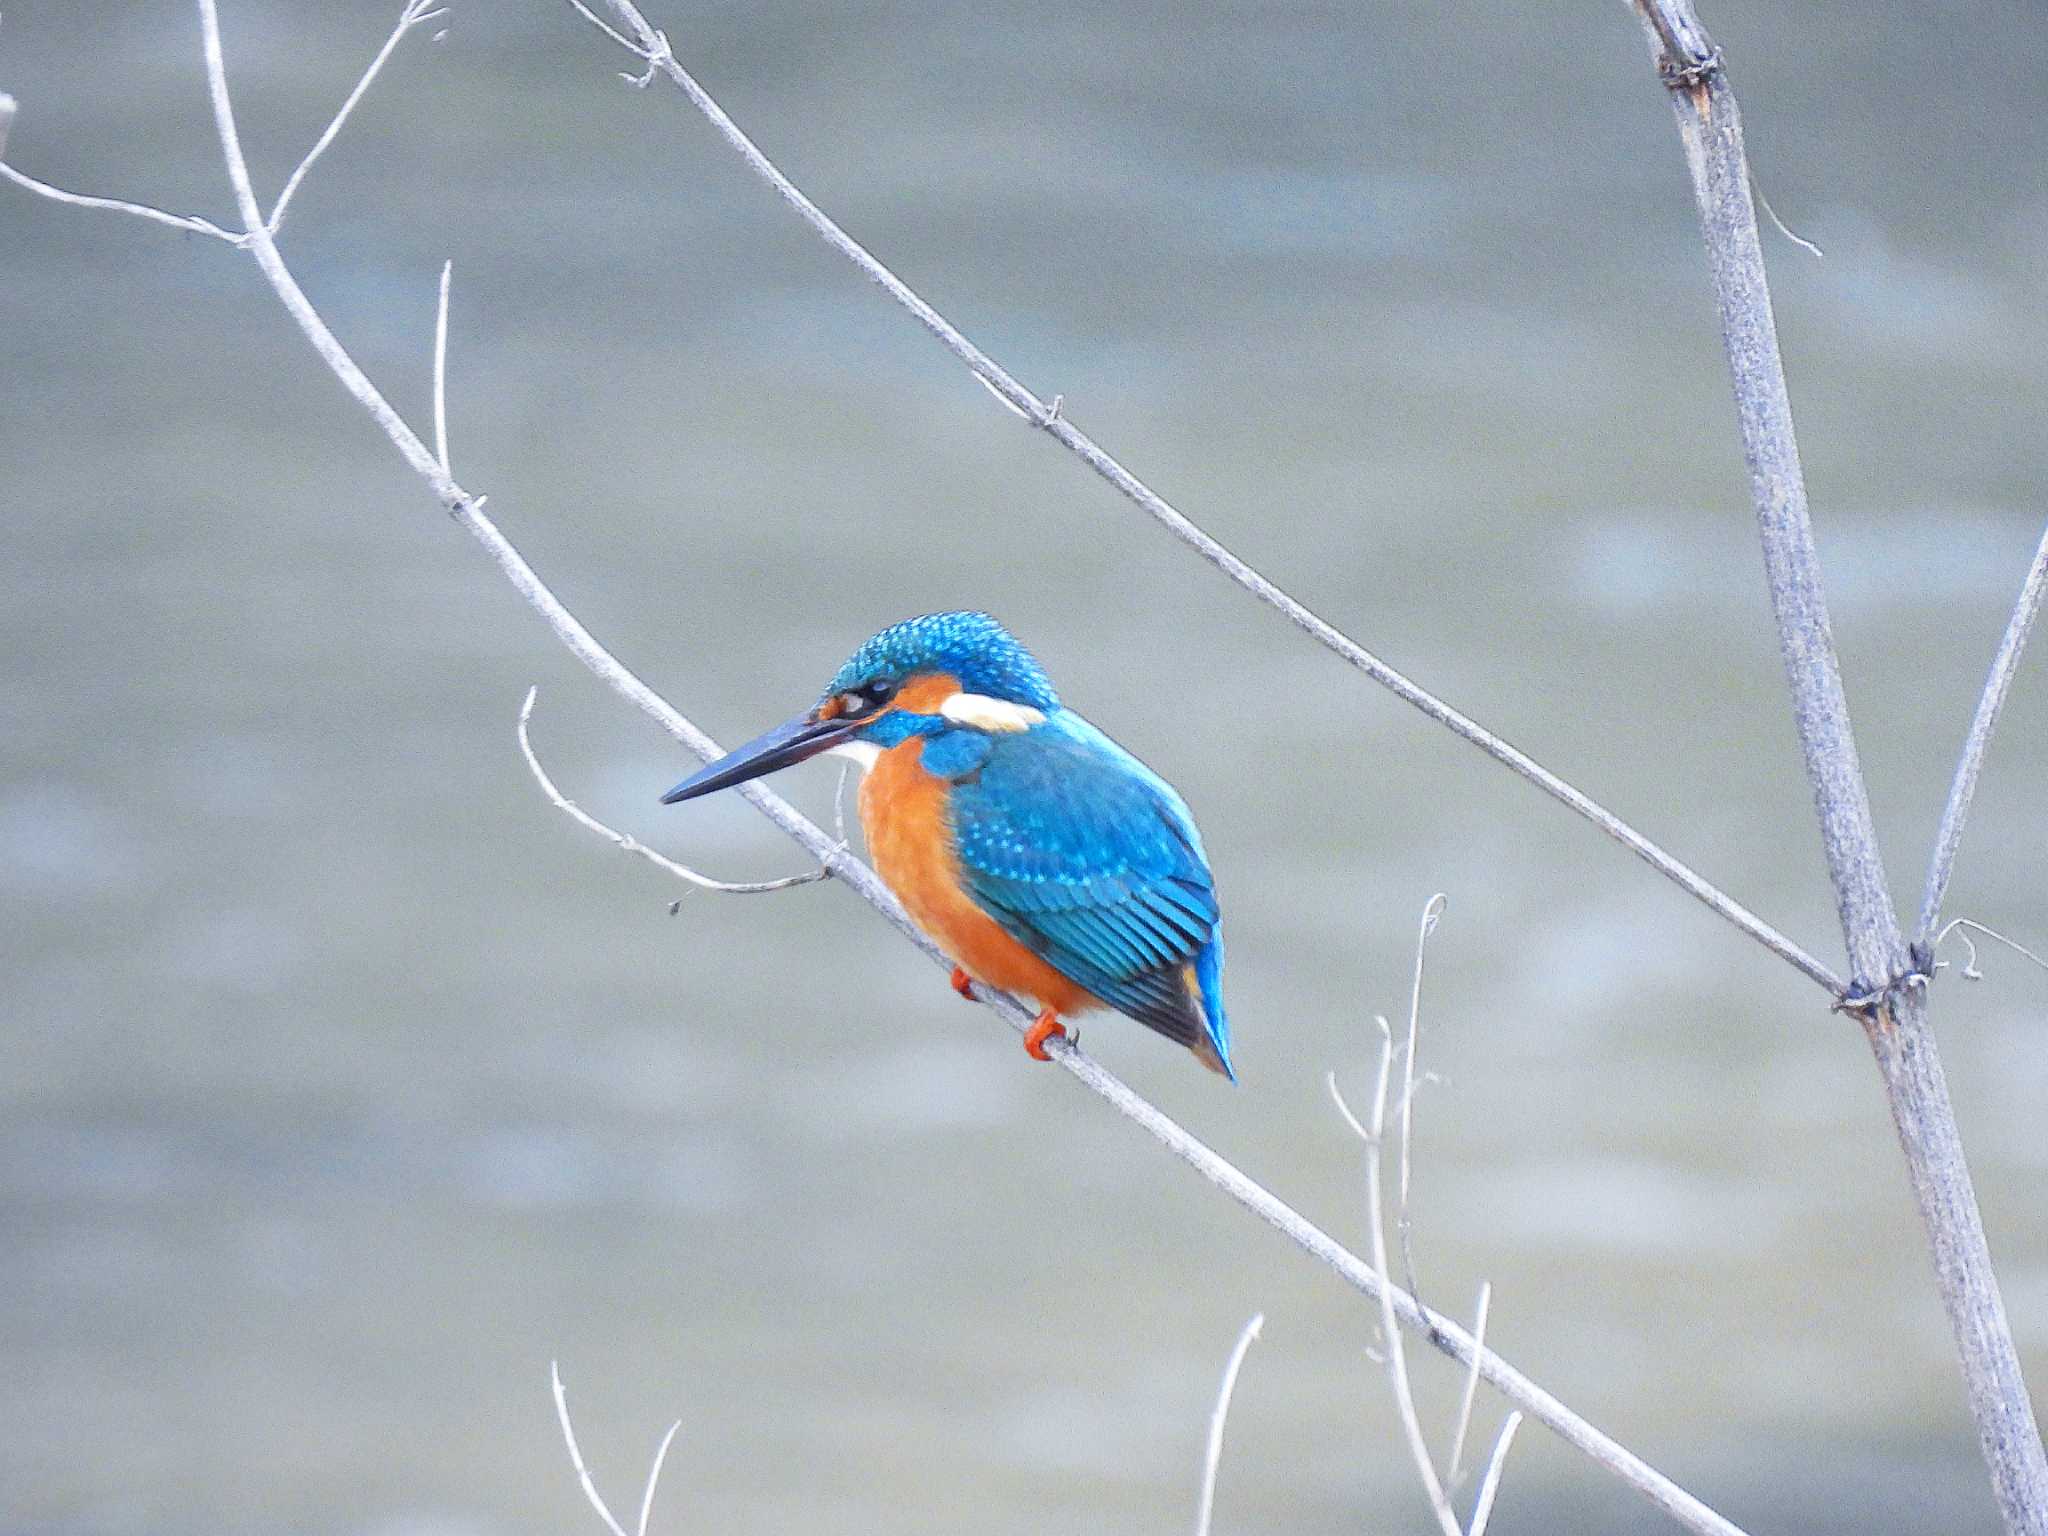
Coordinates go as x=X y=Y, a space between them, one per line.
x=924 y=695
x=831 y=709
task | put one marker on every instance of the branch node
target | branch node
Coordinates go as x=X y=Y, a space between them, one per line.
x=1692 y=72
x=656 y=57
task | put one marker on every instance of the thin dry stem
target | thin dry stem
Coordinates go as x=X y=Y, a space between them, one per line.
x=1212 y=1456
x=1373 y=1135
x=1432 y=912
x=1482 y=1508
x=190 y=223
x=415 y=13
x=1963 y=789
x=441 y=370
x=634 y=846
x=1970 y=971
x=1464 y=1425
x=583 y=1476
x=651 y=47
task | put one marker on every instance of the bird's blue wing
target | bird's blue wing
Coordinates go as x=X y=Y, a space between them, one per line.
x=1088 y=858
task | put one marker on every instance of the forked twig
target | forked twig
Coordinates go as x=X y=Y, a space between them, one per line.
x=1372 y=1133
x=589 y=1483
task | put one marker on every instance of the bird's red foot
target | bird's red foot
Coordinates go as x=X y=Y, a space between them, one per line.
x=1036 y=1036
x=963 y=983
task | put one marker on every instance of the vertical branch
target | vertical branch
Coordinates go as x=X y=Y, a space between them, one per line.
x=1887 y=996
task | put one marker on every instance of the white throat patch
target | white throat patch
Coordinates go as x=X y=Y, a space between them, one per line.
x=865 y=753
x=982 y=713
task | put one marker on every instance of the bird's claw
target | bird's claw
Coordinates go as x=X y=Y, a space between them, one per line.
x=963 y=983
x=1036 y=1036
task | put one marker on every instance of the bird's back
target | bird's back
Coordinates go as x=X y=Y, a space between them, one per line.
x=1092 y=861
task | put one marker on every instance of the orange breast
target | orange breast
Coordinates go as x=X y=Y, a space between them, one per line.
x=903 y=811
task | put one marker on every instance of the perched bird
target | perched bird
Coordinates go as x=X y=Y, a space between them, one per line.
x=1040 y=855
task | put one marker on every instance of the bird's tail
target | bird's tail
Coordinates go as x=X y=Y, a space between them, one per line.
x=1212 y=1050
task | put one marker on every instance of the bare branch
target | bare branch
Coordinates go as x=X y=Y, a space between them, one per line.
x=1212 y=1457
x=633 y=845
x=652 y=47
x=1218 y=1171
x=415 y=13
x=1887 y=997
x=187 y=222
x=1964 y=787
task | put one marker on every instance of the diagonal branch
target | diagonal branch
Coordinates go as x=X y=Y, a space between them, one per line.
x=467 y=509
x=1978 y=742
x=652 y=47
x=1890 y=997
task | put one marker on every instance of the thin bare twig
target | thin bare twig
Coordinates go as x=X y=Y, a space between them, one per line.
x=441 y=370
x=652 y=49
x=1212 y=1456
x=415 y=13
x=1373 y=1134
x=467 y=510
x=583 y=1476
x=1432 y=912
x=2011 y=645
x=1970 y=971
x=1482 y=1508
x=661 y=1460
x=187 y=222
x=1887 y=997
x=1464 y=1423
x=633 y=845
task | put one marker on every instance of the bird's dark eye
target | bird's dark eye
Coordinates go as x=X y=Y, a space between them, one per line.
x=868 y=697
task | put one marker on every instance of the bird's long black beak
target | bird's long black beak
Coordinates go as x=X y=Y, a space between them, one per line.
x=790 y=742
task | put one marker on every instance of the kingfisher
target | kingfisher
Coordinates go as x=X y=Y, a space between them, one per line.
x=1043 y=858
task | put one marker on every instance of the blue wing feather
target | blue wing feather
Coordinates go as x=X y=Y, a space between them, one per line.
x=1091 y=859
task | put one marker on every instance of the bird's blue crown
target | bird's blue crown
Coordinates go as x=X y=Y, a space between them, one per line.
x=971 y=646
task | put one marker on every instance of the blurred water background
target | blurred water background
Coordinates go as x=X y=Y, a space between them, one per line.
x=346 y=1083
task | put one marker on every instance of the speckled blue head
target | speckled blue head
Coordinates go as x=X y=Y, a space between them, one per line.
x=970 y=646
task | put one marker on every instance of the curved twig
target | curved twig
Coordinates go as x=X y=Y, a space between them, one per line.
x=1219 y=1416
x=633 y=845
